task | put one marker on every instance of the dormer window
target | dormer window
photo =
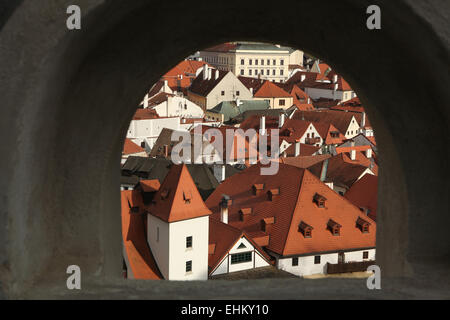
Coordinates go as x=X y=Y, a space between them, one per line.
x=334 y=227
x=257 y=188
x=244 y=213
x=187 y=196
x=319 y=200
x=273 y=194
x=267 y=223
x=305 y=229
x=164 y=193
x=362 y=225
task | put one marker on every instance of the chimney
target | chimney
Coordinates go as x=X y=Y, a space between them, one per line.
x=224 y=204
x=219 y=172
x=181 y=77
x=302 y=78
x=335 y=78
x=323 y=172
x=335 y=87
x=309 y=100
x=209 y=73
x=363 y=120
x=353 y=151
x=369 y=153
x=146 y=101
x=281 y=120
x=262 y=126
x=297 y=147
x=205 y=72
x=217 y=75
x=166 y=84
x=251 y=91
x=166 y=151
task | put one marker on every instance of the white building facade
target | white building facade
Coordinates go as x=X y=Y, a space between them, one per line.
x=317 y=264
x=180 y=248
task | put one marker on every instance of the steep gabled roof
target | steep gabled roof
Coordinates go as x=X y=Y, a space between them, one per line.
x=294 y=203
x=341 y=170
x=178 y=198
x=364 y=194
x=204 y=87
x=341 y=120
x=139 y=255
x=129 y=147
x=222 y=237
x=270 y=90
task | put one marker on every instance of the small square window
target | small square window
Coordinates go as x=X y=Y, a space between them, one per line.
x=262 y=62
x=273 y=72
x=316 y=259
x=256 y=62
x=237 y=93
x=282 y=102
x=250 y=72
x=281 y=72
x=250 y=62
x=189 y=242
x=189 y=266
x=268 y=62
x=242 y=72
x=295 y=261
x=365 y=254
x=274 y=62
x=282 y=62
x=242 y=62
x=222 y=93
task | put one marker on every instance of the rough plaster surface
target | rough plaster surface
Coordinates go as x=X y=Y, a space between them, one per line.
x=68 y=96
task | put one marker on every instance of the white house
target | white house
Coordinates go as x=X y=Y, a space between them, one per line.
x=178 y=228
x=169 y=105
x=146 y=126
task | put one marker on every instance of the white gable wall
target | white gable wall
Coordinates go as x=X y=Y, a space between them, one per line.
x=225 y=265
x=311 y=130
x=158 y=241
x=198 y=228
x=178 y=107
x=353 y=129
x=229 y=84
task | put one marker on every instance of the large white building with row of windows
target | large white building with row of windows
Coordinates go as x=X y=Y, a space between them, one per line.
x=257 y=60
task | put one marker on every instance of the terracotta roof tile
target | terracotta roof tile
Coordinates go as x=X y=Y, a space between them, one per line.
x=293 y=205
x=130 y=147
x=141 y=260
x=270 y=90
x=364 y=194
x=178 y=198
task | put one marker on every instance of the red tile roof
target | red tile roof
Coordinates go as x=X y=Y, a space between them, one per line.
x=304 y=161
x=150 y=185
x=141 y=260
x=224 y=47
x=270 y=90
x=178 y=198
x=145 y=114
x=182 y=74
x=294 y=129
x=341 y=120
x=325 y=129
x=203 y=87
x=305 y=150
x=129 y=147
x=364 y=194
x=294 y=204
x=341 y=170
x=222 y=237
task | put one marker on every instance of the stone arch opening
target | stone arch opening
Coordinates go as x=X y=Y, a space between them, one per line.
x=66 y=95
